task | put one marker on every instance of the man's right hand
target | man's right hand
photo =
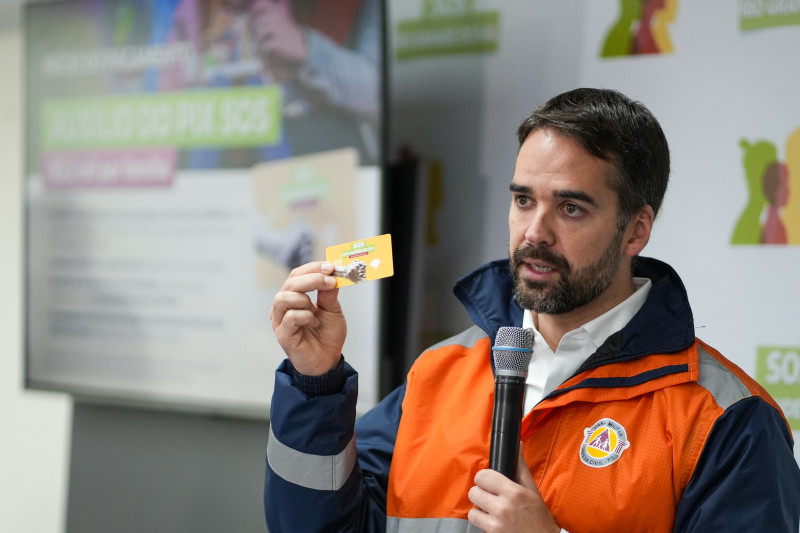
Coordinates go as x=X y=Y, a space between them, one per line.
x=280 y=40
x=312 y=334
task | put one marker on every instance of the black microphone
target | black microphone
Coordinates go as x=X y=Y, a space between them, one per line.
x=512 y=352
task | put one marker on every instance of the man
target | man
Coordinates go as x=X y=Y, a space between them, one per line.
x=631 y=422
x=325 y=55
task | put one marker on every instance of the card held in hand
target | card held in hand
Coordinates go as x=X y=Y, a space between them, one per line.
x=359 y=261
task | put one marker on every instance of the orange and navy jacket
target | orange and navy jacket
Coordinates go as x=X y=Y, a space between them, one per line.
x=655 y=432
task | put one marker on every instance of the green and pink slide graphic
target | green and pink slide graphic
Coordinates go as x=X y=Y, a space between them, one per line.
x=642 y=27
x=772 y=212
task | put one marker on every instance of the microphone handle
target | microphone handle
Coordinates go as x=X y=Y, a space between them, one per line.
x=509 y=394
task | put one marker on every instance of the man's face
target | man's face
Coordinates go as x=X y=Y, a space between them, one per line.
x=565 y=246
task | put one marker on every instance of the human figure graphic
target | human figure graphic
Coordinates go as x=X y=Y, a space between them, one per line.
x=757 y=158
x=620 y=38
x=322 y=55
x=662 y=18
x=642 y=28
x=776 y=190
x=644 y=41
x=325 y=53
x=791 y=213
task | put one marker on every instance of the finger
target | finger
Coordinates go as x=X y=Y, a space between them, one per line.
x=324 y=267
x=524 y=476
x=310 y=277
x=263 y=7
x=307 y=283
x=265 y=32
x=329 y=300
x=491 y=481
x=479 y=497
x=479 y=519
x=286 y=302
x=295 y=320
x=480 y=516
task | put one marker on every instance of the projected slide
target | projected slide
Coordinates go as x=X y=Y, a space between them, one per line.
x=181 y=158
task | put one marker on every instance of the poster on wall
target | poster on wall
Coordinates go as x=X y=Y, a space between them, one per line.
x=713 y=74
x=182 y=157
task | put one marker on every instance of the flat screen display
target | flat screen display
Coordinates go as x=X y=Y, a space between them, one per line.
x=182 y=156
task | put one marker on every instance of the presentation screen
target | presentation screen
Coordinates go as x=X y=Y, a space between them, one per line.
x=181 y=158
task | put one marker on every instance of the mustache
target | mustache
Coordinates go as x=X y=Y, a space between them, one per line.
x=534 y=252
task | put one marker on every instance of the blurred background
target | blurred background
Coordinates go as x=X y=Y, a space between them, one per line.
x=137 y=266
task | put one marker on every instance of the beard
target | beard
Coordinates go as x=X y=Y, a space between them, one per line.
x=574 y=288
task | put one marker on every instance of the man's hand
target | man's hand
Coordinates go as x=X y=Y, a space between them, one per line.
x=280 y=41
x=312 y=334
x=504 y=506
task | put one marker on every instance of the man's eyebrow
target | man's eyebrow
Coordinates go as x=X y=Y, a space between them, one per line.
x=574 y=195
x=516 y=187
x=568 y=194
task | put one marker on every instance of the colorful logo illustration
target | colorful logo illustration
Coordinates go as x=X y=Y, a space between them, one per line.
x=447 y=27
x=761 y=14
x=772 y=213
x=603 y=443
x=642 y=28
x=778 y=371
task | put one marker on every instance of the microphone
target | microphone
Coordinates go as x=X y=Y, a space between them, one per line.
x=512 y=352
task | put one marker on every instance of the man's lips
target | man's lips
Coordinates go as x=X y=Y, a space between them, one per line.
x=539 y=264
x=539 y=267
x=536 y=270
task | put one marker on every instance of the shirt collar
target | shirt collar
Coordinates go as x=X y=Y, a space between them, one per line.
x=600 y=328
x=613 y=320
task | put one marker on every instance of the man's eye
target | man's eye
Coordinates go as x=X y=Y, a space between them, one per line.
x=521 y=201
x=573 y=210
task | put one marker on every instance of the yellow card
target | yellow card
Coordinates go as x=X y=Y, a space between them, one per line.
x=363 y=260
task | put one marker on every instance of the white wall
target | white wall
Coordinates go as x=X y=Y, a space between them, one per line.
x=34 y=435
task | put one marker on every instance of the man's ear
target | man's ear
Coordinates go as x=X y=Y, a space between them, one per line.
x=638 y=231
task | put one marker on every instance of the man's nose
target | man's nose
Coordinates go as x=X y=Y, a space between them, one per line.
x=539 y=230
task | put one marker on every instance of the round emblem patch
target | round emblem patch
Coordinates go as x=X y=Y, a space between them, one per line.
x=603 y=443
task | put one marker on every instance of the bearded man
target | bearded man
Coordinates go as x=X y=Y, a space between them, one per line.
x=631 y=422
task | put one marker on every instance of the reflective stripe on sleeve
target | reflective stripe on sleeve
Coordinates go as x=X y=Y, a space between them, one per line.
x=723 y=384
x=319 y=472
x=429 y=525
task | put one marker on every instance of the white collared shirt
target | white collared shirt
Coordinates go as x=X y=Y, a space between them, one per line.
x=547 y=370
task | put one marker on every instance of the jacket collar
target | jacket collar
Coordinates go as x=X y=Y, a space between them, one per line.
x=664 y=324
x=488 y=296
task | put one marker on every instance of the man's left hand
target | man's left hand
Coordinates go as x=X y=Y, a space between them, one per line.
x=501 y=505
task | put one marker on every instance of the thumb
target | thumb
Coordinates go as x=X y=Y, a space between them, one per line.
x=524 y=476
x=327 y=300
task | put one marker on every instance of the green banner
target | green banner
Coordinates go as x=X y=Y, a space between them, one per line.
x=236 y=117
x=468 y=33
x=760 y=14
x=778 y=371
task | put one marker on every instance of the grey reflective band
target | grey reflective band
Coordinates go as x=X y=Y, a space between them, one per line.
x=723 y=384
x=466 y=338
x=319 y=472
x=429 y=525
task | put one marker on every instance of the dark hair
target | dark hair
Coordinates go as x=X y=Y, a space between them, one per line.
x=612 y=127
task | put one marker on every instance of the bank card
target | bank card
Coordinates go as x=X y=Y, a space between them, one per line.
x=364 y=260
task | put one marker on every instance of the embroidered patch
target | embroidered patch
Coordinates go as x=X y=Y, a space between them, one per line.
x=603 y=443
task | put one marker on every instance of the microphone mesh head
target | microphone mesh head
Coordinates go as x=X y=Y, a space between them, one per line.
x=512 y=349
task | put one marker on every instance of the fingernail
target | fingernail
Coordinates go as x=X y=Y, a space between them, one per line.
x=326 y=266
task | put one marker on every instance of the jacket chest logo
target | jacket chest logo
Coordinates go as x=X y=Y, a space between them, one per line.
x=603 y=443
